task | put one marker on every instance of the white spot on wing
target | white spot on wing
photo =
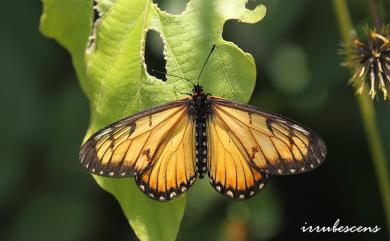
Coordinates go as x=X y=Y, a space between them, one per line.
x=103 y=133
x=172 y=195
x=229 y=193
x=298 y=128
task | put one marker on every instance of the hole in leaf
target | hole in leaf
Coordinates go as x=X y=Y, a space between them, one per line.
x=96 y=14
x=154 y=55
x=172 y=6
x=243 y=35
x=252 y=4
x=240 y=34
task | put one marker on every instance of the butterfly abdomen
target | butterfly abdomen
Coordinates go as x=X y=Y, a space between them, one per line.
x=201 y=146
x=200 y=110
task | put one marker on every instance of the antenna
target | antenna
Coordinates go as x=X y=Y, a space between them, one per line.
x=207 y=59
x=172 y=75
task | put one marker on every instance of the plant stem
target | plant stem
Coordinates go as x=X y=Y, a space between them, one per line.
x=367 y=111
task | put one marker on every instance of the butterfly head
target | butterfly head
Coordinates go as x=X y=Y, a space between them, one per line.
x=197 y=90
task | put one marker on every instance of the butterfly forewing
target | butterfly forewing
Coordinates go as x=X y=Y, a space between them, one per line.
x=272 y=143
x=127 y=147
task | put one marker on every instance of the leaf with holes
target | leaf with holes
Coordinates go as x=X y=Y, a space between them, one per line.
x=113 y=74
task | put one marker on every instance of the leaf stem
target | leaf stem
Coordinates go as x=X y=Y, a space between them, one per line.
x=369 y=119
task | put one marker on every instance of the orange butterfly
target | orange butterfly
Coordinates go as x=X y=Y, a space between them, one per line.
x=167 y=147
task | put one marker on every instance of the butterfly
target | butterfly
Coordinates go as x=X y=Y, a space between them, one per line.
x=166 y=148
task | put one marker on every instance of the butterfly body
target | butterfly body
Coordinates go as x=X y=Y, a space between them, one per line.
x=167 y=147
x=200 y=111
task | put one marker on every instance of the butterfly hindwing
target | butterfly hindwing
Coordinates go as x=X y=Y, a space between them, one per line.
x=173 y=169
x=272 y=143
x=128 y=147
x=229 y=168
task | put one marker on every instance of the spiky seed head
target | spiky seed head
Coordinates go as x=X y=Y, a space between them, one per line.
x=369 y=59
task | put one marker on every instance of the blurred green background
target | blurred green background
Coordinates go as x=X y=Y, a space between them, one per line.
x=46 y=195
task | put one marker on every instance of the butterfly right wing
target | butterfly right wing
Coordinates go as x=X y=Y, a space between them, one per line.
x=128 y=147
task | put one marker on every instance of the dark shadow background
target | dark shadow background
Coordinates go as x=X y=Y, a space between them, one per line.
x=46 y=195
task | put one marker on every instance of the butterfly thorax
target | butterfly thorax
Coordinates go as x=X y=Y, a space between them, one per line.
x=200 y=110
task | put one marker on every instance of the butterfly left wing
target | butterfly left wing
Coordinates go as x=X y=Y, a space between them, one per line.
x=274 y=144
x=156 y=146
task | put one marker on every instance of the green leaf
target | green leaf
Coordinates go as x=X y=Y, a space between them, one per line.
x=114 y=77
